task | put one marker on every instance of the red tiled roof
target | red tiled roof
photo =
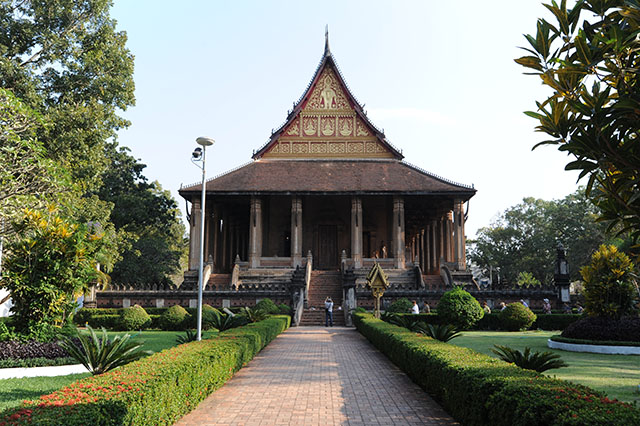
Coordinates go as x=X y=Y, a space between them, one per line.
x=330 y=176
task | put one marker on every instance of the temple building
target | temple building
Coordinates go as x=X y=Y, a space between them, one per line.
x=326 y=197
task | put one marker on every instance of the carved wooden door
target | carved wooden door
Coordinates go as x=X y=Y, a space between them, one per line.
x=327 y=247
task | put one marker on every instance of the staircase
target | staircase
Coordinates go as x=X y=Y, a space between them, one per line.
x=323 y=284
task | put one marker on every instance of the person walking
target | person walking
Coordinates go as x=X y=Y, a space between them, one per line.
x=328 y=312
x=414 y=308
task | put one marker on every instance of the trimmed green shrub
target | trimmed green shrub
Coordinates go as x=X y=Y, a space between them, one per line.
x=598 y=328
x=284 y=309
x=554 y=321
x=133 y=318
x=175 y=318
x=477 y=389
x=402 y=306
x=516 y=317
x=109 y=321
x=459 y=308
x=608 y=284
x=268 y=306
x=155 y=390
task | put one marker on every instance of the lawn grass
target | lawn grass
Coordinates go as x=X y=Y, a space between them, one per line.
x=156 y=340
x=616 y=375
x=14 y=391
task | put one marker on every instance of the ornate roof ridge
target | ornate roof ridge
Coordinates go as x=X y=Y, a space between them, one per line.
x=217 y=176
x=358 y=107
x=433 y=175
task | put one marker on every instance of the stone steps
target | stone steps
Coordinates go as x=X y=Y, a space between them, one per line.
x=323 y=284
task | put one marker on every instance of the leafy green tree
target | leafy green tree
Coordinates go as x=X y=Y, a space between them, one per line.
x=50 y=263
x=65 y=60
x=26 y=176
x=589 y=57
x=524 y=237
x=608 y=284
x=526 y=279
x=147 y=219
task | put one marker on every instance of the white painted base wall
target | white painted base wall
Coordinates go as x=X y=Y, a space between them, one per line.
x=596 y=349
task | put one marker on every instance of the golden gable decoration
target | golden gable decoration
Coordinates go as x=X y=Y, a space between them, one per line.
x=327 y=123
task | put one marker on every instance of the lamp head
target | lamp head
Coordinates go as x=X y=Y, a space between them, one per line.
x=204 y=141
x=196 y=154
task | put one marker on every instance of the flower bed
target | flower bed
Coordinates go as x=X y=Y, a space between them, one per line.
x=477 y=389
x=156 y=390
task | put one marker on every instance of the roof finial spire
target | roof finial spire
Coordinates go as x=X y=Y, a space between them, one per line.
x=327 y=51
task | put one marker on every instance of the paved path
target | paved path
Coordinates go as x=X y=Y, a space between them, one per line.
x=319 y=376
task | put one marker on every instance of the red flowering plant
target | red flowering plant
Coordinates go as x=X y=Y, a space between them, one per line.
x=155 y=390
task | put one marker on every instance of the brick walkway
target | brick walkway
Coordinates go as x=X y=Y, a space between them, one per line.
x=319 y=376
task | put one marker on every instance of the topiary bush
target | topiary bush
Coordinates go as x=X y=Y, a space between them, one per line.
x=268 y=306
x=284 y=309
x=174 y=318
x=597 y=328
x=516 y=317
x=402 y=306
x=133 y=318
x=608 y=285
x=459 y=308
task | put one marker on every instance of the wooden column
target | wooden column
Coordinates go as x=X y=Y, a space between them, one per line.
x=225 y=241
x=255 y=232
x=194 y=234
x=434 y=248
x=216 y=237
x=296 y=231
x=356 y=231
x=398 y=232
x=460 y=251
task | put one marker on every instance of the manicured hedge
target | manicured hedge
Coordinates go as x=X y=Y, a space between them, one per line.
x=477 y=389
x=84 y=315
x=156 y=390
x=492 y=321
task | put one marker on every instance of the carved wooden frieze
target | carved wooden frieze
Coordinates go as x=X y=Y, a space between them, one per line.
x=328 y=126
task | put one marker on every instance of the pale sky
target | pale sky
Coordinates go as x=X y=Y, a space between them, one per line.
x=438 y=77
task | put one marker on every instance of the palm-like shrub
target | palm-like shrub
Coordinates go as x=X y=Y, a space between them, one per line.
x=536 y=361
x=442 y=332
x=222 y=321
x=459 y=308
x=174 y=318
x=188 y=336
x=608 y=285
x=253 y=314
x=516 y=317
x=101 y=354
x=133 y=318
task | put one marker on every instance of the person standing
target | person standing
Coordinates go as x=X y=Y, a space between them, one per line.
x=414 y=308
x=486 y=308
x=546 y=306
x=328 y=310
x=426 y=309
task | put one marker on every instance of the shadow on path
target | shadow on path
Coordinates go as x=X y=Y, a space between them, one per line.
x=319 y=376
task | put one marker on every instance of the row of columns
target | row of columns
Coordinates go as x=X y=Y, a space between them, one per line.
x=441 y=238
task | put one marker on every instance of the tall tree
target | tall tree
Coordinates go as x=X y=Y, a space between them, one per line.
x=65 y=60
x=524 y=237
x=590 y=58
x=148 y=219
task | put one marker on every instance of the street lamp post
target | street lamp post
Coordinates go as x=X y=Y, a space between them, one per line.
x=200 y=154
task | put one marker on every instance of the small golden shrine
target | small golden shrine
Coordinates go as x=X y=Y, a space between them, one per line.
x=378 y=282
